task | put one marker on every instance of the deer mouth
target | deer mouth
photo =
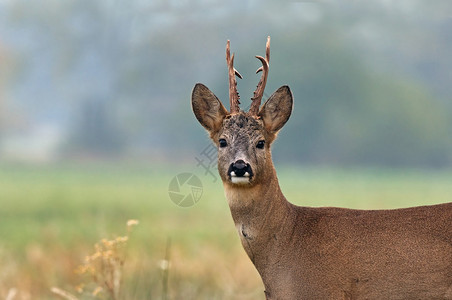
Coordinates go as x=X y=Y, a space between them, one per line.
x=240 y=172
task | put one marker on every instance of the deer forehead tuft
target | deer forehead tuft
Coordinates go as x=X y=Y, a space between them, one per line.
x=242 y=121
x=242 y=127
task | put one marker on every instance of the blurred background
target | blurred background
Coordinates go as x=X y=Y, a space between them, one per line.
x=95 y=121
x=102 y=79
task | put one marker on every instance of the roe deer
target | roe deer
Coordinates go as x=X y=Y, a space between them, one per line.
x=317 y=253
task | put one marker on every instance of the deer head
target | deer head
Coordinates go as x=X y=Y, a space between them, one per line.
x=243 y=138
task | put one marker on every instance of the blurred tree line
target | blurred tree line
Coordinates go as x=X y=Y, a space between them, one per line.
x=371 y=81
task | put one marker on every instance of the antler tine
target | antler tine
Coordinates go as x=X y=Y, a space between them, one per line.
x=233 y=94
x=259 y=92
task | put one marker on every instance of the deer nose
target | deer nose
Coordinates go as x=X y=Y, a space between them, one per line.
x=239 y=168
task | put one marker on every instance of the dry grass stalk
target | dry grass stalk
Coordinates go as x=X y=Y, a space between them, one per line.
x=105 y=265
x=11 y=294
x=63 y=294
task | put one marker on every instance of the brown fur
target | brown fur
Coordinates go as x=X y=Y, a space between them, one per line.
x=323 y=253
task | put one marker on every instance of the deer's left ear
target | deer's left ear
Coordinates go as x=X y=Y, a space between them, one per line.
x=277 y=109
x=207 y=108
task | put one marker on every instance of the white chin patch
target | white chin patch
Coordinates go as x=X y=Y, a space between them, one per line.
x=240 y=180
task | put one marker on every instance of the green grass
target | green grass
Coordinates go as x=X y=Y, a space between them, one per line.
x=50 y=217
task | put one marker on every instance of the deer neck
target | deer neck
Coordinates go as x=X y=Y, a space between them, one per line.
x=260 y=214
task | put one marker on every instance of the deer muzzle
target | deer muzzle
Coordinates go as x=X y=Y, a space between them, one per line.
x=240 y=172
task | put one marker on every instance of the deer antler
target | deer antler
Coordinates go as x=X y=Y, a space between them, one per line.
x=259 y=92
x=233 y=94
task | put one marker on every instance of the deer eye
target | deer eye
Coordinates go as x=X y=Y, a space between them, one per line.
x=260 y=144
x=222 y=143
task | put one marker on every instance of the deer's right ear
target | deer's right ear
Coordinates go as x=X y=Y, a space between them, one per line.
x=277 y=109
x=208 y=109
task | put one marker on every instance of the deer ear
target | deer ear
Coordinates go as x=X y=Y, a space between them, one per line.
x=207 y=108
x=277 y=109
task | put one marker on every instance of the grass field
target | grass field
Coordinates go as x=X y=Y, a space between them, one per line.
x=51 y=216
